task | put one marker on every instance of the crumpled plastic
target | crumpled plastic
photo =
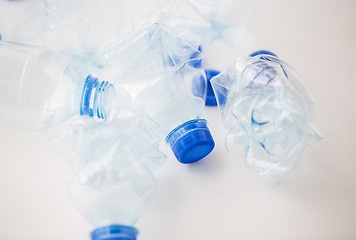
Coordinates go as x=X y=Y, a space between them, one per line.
x=266 y=108
x=86 y=140
x=209 y=19
x=162 y=71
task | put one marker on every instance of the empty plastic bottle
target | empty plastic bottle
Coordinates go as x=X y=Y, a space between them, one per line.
x=265 y=106
x=209 y=20
x=38 y=91
x=163 y=74
x=112 y=183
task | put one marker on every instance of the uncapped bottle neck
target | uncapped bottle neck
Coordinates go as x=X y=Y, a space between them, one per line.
x=95 y=98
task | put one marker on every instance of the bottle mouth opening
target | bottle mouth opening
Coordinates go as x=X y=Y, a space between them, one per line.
x=115 y=232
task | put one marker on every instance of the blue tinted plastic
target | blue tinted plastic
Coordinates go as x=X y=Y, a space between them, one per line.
x=266 y=107
x=196 y=61
x=94 y=97
x=163 y=74
x=210 y=96
x=264 y=52
x=112 y=164
x=115 y=232
x=191 y=141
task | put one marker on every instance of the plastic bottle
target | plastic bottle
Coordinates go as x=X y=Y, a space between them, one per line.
x=215 y=23
x=163 y=74
x=265 y=106
x=112 y=183
x=37 y=91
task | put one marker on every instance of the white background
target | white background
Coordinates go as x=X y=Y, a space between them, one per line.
x=217 y=198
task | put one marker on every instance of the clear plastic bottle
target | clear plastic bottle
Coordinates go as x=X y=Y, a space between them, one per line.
x=266 y=106
x=214 y=23
x=112 y=183
x=163 y=74
x=37 y=91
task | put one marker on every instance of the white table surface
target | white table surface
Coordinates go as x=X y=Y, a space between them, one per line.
x=217 y=198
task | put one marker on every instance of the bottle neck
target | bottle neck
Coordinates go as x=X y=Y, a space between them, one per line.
x=114 y=232
x=95 y=98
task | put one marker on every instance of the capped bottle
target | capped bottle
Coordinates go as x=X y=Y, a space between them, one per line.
x=162 y=72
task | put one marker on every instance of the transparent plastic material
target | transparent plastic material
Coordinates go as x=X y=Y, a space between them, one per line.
x=80 y=28
x=139 y=132
x=18 y=25
x=266 y=107
x=112 y=164
x=214 y=19
x=37 y=91
x=209 y=19
x=162 y=72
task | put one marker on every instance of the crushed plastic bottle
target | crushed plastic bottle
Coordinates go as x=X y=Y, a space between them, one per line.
x=163 y=74
x=216 y=25
x=265 y=106
x=37 y=91
x=113 y=182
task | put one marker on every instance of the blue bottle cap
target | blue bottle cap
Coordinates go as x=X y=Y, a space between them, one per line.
x=210 y=96
x=115 y=232
x=191 y=141
x=265 y=52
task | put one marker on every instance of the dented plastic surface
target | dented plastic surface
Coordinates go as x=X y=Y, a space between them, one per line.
x=266 y=108
x=112 y=173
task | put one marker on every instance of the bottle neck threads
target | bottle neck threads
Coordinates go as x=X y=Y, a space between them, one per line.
x=95 y=97
x=114 y=232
